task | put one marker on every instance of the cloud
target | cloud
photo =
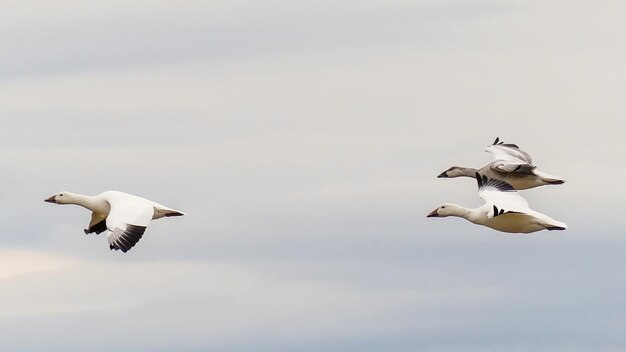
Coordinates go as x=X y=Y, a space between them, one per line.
x=18 y=263
x=303 y=140
x=217 y=301
x=113 y=35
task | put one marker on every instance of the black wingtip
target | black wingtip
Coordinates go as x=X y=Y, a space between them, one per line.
x=496 y=141
x=497 y=212
x=552 y=228
x=99 y=227
x=484 y=181
x=128 y=238
x=481 y=179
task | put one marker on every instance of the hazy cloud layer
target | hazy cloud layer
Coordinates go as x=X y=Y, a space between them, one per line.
x=303 y=140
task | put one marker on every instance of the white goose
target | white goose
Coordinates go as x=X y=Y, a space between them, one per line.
x=504 y=210
x=124 y=216
x=511 y=165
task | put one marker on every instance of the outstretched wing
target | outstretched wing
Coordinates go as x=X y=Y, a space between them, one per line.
x=500 y=196
x=127 y=222
x=508 y=152
x=519 y=167
x=97 y=224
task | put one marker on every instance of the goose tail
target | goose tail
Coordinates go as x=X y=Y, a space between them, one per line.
x=175 y=213
x=550 y=179
x=162 y=211
x=556 y=225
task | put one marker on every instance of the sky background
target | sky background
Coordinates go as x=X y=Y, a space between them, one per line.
x=303 y=139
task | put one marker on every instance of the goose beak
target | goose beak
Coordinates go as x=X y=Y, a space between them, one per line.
x=433 y=214
x=50 y=200
x=443 y=175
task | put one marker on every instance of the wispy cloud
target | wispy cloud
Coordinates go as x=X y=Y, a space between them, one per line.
x=303 y=139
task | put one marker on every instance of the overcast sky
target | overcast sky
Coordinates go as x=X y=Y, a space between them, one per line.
x=303 y=139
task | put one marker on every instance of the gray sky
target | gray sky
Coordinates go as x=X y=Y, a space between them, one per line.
x=303 y=139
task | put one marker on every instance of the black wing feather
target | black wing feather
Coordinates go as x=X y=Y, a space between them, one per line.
x=484 y=181
x=97 y=228
x=510 y=145
x=127 y=239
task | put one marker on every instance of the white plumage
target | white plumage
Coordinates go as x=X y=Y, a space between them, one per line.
x=504 y=210
x=124 y=216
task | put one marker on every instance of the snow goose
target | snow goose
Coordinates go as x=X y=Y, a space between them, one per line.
x=504 y=210
x=124 y=216
x=511 y=165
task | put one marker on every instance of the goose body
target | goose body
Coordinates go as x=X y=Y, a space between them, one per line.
x=511 y=165
x=504 y=210
x=123 y=216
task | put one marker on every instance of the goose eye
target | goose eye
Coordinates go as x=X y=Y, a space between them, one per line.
x=443 y=207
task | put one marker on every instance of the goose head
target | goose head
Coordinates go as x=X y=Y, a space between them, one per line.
x=62 y=198
x=455 y=171
x=447 y=209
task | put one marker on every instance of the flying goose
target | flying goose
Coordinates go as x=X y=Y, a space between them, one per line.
x=511 y=165
x=124 y=216
x=504 y=210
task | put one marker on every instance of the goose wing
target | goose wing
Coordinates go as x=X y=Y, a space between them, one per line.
x=127 y=222
x=500 y=196
x=97 y=224
x=508 y=152
x=519 y=167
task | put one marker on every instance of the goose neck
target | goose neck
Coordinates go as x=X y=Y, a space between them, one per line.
x=468 y=172
x=88 y=202
x=462 y=212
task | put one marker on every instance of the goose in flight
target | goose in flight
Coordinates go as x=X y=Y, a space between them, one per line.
x=124 y=216
x=504 y=210
x=511 y=165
